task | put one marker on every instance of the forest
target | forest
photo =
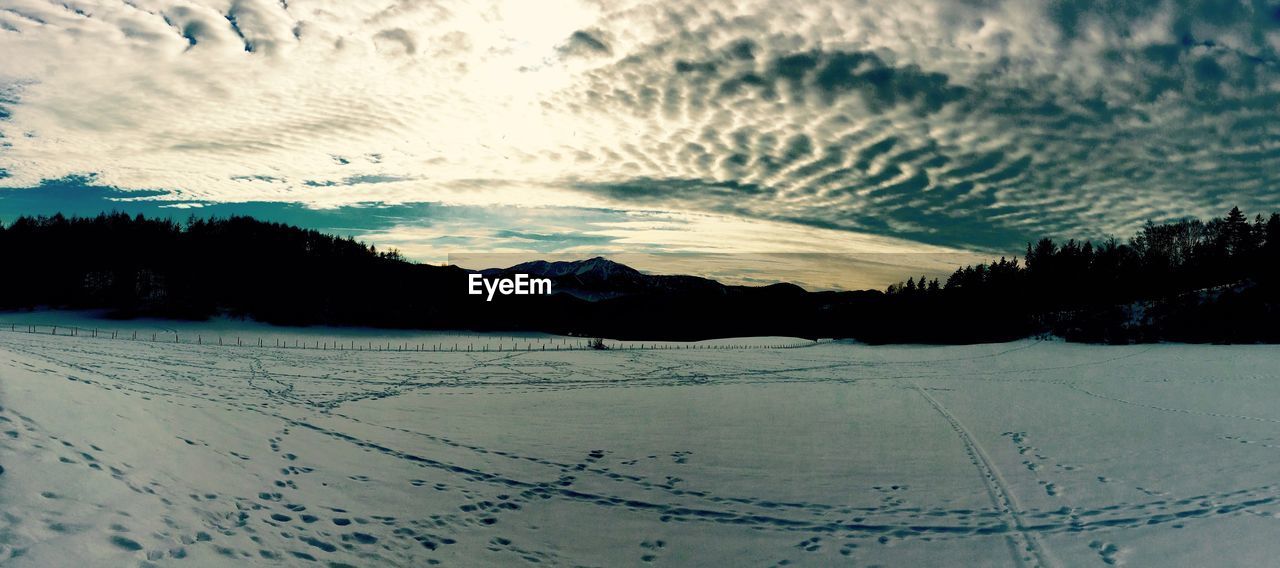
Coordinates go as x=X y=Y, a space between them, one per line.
x=1189 y=280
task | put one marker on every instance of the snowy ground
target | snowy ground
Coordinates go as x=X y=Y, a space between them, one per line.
x=234 y=332
x=119 y=452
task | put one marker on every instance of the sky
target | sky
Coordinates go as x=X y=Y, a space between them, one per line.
x=859 y=141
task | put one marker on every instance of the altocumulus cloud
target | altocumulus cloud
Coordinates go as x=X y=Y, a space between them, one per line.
x=967 y=125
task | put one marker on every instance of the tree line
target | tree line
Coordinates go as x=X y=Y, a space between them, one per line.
x=1187 y=280
x=239 y=266
x=134 y=266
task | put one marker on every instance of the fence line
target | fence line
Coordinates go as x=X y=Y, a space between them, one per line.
x=515 y=345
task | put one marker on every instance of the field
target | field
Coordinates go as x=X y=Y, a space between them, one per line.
x=1033 y=453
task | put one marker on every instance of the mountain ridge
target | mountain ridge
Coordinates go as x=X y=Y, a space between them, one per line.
x=599 y=278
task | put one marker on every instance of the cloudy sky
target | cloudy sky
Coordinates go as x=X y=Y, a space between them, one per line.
x=901 y=131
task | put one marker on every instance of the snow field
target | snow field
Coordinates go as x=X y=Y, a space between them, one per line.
x=1022 y=454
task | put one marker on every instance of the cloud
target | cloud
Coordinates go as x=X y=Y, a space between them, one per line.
x=974 y=124
x=395 y=41
x=585 y=43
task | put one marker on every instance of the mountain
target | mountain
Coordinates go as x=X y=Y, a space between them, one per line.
x=619 y=301
x=597 y=267
x=599 y=278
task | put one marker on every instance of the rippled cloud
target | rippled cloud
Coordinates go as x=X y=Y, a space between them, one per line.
x=940 y=125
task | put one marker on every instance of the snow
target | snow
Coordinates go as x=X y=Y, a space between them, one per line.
x=237 y=332
x=1032 y=453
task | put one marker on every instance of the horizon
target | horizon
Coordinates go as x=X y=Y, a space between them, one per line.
x=870 y=271
x=728 y=269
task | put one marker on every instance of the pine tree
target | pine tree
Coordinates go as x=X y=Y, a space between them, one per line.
x=1236 y=232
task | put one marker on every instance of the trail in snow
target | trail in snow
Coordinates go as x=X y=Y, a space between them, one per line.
x=168 y=454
